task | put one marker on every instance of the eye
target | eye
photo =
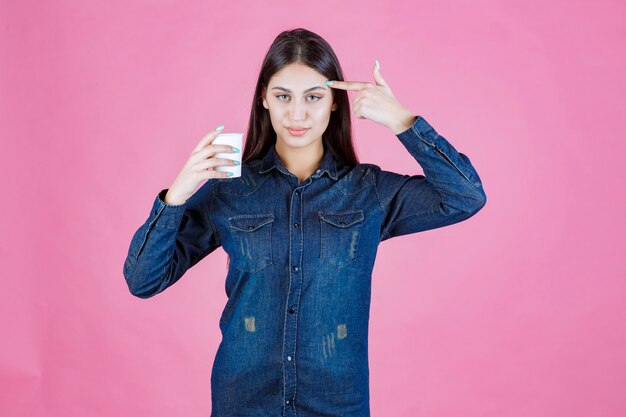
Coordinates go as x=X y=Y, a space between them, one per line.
x=317 y=98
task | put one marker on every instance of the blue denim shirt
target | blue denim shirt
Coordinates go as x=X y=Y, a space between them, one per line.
x=295 y=326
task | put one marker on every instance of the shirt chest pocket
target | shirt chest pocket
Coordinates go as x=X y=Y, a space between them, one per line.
x=339 y=237
x=252 y=236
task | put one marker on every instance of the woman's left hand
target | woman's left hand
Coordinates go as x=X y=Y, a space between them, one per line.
x=376 y=102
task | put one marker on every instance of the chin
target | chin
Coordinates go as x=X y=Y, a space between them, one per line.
x=296 y=142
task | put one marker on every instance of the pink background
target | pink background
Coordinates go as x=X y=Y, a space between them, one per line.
x=518 y=311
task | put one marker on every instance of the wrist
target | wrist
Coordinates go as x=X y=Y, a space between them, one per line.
x=404 y=122
x=172 y=200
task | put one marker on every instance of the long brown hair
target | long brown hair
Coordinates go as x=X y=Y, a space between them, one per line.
x=307 y=48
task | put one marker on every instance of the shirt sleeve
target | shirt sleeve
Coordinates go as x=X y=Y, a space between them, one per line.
x=449 y=191
x=172 y=239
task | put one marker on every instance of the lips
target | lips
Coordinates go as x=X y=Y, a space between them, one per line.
x=297 y=131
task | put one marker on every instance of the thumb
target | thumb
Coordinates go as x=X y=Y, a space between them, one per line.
x=377 y=77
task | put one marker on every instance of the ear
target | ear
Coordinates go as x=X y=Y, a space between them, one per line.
x=263 y=92
x=334 y=107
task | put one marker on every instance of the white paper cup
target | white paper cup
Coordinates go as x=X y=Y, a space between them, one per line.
x=232 y=139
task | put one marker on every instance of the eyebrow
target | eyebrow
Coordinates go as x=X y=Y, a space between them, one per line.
x=306 y=91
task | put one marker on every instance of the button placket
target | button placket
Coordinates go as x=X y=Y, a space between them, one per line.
x=293 y=298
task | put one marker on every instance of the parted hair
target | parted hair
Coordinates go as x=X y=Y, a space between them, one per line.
x=307 y=48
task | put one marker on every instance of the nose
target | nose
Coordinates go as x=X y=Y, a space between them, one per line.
x=298 y=111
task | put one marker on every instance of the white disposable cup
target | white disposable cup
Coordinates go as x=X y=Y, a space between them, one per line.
x=232 y=139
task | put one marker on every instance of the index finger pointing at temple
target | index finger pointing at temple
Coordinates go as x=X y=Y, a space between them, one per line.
x=347 y=85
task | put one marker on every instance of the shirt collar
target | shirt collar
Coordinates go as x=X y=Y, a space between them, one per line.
x=271 y=160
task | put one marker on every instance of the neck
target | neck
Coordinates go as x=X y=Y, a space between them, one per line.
x=301 y=162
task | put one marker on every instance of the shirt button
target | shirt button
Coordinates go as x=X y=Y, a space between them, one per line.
x=297 y=191
x=291 y=310
x=318 y=171
x=288 y=402
x=295 y=268
x=289 y=358
x=296 y=225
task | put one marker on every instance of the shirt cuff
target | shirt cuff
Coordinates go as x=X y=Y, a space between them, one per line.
x=422 y=129
x=166 y=216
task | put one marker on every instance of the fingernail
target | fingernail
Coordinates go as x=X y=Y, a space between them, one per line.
x=329 y=83
x=229 y=174
x=235 y=149
x=220 y=127
x=237 y=162
x=377 y=65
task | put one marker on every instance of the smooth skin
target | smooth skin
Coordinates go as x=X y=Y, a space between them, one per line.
x=376 y=102
x=196 y=169
x=298 y=96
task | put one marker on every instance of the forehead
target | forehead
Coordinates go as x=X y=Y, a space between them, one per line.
x=296 y=76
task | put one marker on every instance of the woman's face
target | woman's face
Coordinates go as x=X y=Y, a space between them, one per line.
x=297 y=97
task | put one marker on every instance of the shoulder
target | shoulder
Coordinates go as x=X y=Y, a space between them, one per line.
x=249 y=181
x=366 y=173
x=352 y=179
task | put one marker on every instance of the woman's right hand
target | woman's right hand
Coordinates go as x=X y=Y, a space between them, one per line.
x=199 y=167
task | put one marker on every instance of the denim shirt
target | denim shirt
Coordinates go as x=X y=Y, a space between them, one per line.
x=295 y=325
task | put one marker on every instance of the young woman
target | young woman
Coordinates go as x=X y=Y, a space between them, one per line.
x=301 y=227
